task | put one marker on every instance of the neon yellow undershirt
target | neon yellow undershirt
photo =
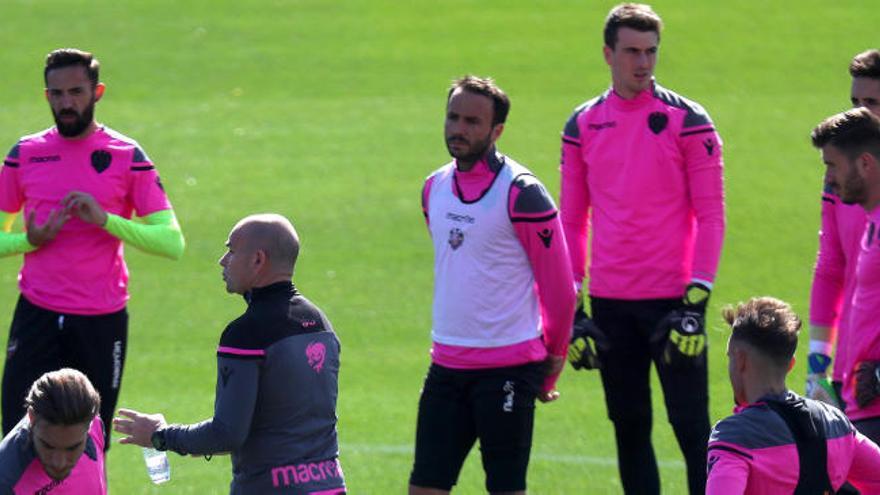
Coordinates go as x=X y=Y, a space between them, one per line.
x=158 y=234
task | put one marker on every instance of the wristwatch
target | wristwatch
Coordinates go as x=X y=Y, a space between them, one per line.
x=158 y=439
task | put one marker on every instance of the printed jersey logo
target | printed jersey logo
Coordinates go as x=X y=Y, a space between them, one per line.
x=225 y=373
x=456 y=237
x=44 y=159
x=101 y=160
x=48 y=488
x=868 y=237
x=713 y=459
x=657 y=121
x=315 y=353
x=710 y=146
x=602 y=125
x=508 y=396
x=546 y=237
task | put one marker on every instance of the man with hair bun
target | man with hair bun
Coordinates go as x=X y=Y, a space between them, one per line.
x=753 y=451
x=58 y=446
x=277 y=377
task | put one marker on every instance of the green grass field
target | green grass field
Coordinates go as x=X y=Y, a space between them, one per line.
x=331 y=112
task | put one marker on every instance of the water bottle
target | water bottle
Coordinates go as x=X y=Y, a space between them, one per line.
x=157 y=465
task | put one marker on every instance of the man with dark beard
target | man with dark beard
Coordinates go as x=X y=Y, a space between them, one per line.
x=503 y=301
x=78 y=183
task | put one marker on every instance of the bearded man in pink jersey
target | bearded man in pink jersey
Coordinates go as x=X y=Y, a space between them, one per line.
x=834 y=275
x=643 y=165
x=78 y=183
x=850 y=145
x=503 y=302
x=752 y=451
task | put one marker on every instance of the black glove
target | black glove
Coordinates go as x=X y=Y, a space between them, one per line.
x=867 y=382
x=586 y=338
x=685 y=329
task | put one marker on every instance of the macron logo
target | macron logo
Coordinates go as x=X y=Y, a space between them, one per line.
x=44 y=159
x=601 y=125
x=546 y=237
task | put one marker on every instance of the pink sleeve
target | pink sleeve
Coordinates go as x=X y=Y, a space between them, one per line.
x=543 y=240
x=426 y=193
x=826 y=295
x=11 y=195
x=574 y=204
x=704 y=165
x=864 y=473
x=146 y=192
x=728 y=473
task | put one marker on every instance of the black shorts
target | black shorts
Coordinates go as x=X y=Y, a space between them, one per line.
x=41 y=340
x=457 y=407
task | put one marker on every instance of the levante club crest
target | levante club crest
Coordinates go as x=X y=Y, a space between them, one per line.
x=456 y=237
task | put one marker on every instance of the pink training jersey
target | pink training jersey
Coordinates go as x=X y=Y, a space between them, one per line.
x=754 y=452
x=865 y=317
x=22 y=471
x=518 y=215
x=647 y=172
x=82 y=270
x=834 y=275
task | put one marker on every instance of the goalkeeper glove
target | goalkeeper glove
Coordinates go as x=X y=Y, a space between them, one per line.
x=685 y=331
x=586 y=339
x=867 y=377
x=818 y=385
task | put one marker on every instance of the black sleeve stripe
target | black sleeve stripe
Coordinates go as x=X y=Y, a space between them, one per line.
x=568 y=140
x=830 y=200
x=698 y=131
x=534 y=219
x=10 y=164
x=142 y=168
x=731 y=449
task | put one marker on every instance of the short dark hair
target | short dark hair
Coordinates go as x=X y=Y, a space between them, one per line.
x=65 y=57
x=768 y=325
x=853 y=132
x=484 y=86
x=63 y=397
x=636 y=16
x=866 y=64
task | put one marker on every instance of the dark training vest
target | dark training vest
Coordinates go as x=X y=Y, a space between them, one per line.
x=808 y=429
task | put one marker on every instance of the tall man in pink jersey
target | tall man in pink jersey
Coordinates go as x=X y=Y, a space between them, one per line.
x=850 y=145
x=79 y=183
x=752 y=451
x=834 y=275
x=643 y=165
x=503 y=301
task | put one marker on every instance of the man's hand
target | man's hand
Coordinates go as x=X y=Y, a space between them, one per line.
x=586 y=338
x=85 y=207
x=138 y=426
x=37 y=234
x=685 y=330
x=553 y=365
x=818 y=385
x=867 y=376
